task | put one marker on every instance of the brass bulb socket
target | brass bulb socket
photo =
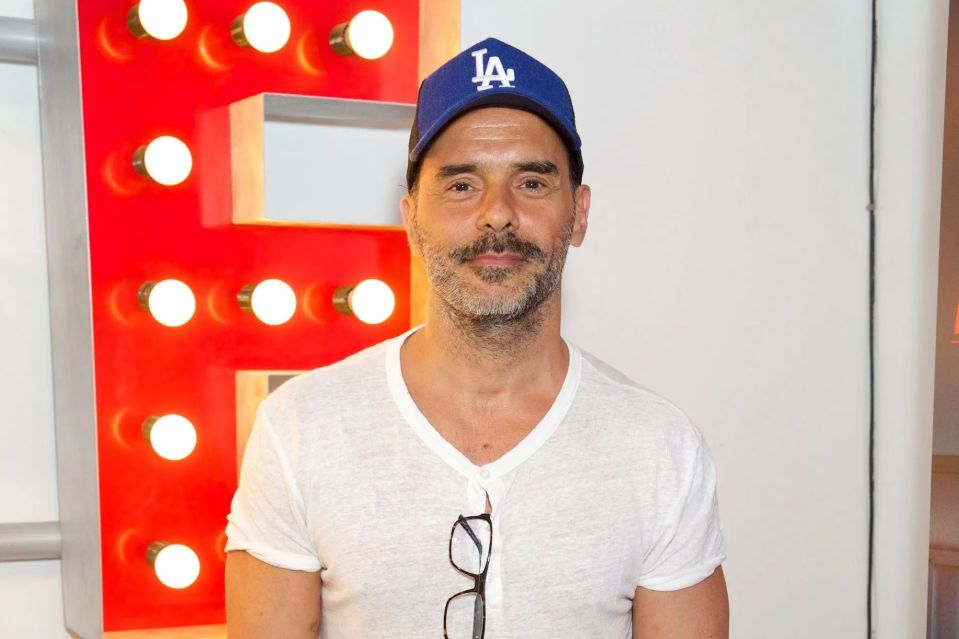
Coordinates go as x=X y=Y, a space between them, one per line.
x=147 y=427
x=139 y=162
x=153 y=550
x=134 y=24
x=341 y=300
x=340 y=39
x=245 y=297
x=143 y=294
x=236 y=31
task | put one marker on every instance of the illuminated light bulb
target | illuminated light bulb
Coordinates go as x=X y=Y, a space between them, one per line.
x=166 y=160
x=160 y=19
x=264 y=27
x=172 y=436
x=170 y=302
x=175 y=565
x=371 y=301
x=369 y=35
x=273 y=302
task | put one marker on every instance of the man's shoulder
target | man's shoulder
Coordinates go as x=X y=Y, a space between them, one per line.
x=607 y=382
x=616 y=398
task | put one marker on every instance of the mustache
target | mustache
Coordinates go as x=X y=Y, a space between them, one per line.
x=493 y=243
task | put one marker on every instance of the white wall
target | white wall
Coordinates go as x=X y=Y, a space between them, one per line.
x=911 y=103
x=726 y=267
x=30 y=604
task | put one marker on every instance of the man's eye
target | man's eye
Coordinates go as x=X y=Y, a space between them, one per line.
x=460 y=187
x=532 y=183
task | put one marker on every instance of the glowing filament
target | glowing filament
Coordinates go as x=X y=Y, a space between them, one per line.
x=175 y=565
x=172 y=436
x=264 y=27
x=369 y=35
x=272 y=301
x=166 y=160
x=170 y=302
x=371 y=301
x=160 y=19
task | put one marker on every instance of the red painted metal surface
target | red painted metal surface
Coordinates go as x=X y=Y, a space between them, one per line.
x=134 y=90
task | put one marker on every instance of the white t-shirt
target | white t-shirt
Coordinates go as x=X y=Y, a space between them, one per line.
x=613 y=489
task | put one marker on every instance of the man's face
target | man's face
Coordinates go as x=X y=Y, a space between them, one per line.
x=494 y=213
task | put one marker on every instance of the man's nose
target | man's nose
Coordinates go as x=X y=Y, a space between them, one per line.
x=497 y=210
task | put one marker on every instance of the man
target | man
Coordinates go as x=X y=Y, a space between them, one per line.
x=479 y=476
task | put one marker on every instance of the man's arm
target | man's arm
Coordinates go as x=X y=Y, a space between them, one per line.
x=697 y=612
x=265 y=602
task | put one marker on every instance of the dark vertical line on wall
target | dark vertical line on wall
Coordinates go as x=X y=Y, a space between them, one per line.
x=872 y=322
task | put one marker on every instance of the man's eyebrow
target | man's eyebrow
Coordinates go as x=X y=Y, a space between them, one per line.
x=543 y=167
x=450 y=170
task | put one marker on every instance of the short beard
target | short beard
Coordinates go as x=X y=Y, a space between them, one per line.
x=499 y=325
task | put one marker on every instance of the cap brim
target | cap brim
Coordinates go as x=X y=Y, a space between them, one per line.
x=495 y=97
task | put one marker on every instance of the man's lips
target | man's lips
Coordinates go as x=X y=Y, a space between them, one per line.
x=497 y=259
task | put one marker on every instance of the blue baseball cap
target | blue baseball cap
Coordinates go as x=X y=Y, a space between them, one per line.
x=491 y=73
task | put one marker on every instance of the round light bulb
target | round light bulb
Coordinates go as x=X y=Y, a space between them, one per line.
x=175 y=565
x=170 y=302
x=265 y=27
x=172 y=436
x=160 y=19
x=372 y=301
x=272 y=301
x=370 y=34
x=165 y=160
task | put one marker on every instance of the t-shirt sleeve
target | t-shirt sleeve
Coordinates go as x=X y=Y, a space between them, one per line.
x=688 y=544
x=268 y=516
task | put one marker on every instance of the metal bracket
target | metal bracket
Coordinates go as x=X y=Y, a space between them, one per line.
x=18 y=40
x=30 y=541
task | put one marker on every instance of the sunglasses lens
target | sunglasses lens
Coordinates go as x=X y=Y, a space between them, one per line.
x=465 y=617
x=470 y=544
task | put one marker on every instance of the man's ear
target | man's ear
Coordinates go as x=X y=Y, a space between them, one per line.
x=581 y=199
x=407 y=211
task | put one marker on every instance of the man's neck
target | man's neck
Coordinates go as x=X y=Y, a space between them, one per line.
x=491 y=357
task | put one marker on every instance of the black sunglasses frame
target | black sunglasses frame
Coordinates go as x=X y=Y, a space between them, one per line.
x=479 y=580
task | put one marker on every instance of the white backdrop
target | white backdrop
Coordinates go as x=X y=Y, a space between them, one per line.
x=726 y=268
x=30 y=605
x=911 y=104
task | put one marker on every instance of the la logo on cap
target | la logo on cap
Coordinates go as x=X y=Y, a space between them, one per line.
x=493 y=72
